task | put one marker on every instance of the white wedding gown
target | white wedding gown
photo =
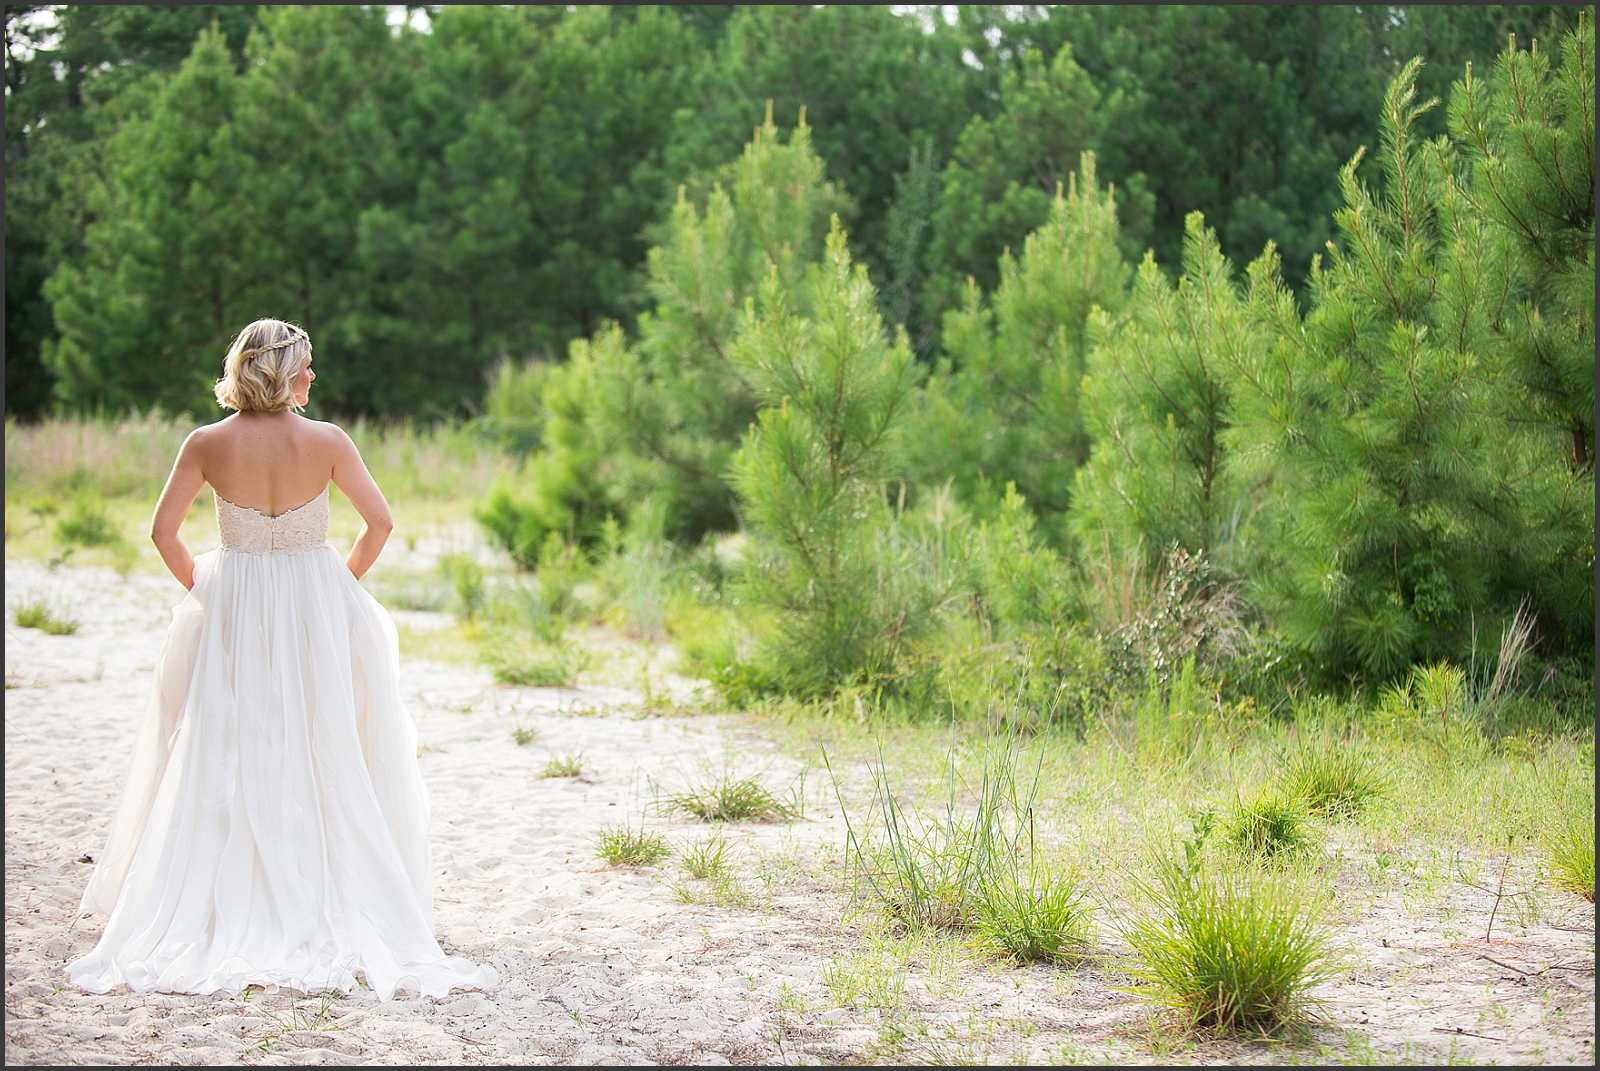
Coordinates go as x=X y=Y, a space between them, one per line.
x=274 y=827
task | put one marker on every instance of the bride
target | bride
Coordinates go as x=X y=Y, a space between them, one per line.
x=274 y=825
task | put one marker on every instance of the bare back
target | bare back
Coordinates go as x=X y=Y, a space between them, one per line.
x=271 y=463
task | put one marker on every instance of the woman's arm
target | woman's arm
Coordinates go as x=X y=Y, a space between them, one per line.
x=350 y=475
x=176 y=497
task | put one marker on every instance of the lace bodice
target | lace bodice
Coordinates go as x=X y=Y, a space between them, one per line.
x=253 y=532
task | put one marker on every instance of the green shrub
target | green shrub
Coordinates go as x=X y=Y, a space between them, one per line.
x=622 y=846
x=87 y=524
x=731 y=800
x=1268 y=825
x=1235 y=950
x=465 y=576
x=568 y=765
x=1570 y=848
x=1331 y=778
x=39 y=614
x=1045 y=919
x=515 y=660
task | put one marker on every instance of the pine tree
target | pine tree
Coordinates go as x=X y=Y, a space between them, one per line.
x=1529 y=135
x=1159 y=399
x=834 y=393
x=1004 y=405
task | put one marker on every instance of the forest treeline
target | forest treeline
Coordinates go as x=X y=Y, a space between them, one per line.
x=430 y=202
x=1395 y=467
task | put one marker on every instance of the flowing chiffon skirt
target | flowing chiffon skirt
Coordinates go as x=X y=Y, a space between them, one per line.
x=274 y=827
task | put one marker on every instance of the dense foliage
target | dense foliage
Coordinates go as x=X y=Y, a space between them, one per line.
x=431 y=201
x=1184 y=346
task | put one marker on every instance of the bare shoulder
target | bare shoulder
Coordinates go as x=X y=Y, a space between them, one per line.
x=207 y=436
x=329 y=436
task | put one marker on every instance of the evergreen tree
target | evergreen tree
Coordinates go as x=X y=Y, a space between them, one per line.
x=669 y=409
x=1159 y=396
x=1004 y=405
x=834 y=394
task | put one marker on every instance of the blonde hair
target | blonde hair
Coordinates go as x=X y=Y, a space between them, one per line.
x=261 y=366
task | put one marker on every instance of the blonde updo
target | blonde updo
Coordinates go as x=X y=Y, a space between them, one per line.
x=261 y=367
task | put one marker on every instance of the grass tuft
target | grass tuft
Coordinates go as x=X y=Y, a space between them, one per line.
x=621 y=846
x=38 y=614
x=534 y=665
x=1268 y=825
x=1334 y=779
x=1236 y=950
x=730 y=800
x=706 y=859
x=1045 y=920
x=1571 y=853
x=523 y=735
x=568 y=765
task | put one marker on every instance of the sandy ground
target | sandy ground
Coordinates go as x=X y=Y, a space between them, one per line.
x=611 y=965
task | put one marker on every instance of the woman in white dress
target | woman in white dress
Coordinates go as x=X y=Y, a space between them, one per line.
x=274 y=825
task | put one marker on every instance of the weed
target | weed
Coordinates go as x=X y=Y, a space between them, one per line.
x=39 y=614
x=730 y=800
x=622 y=846
x=1331 y=779
x=1571 y=852
x=568 y=765
x=1045 y=919
x=1268 y=825
x=1234 y=949
x=524 y=735
x=706 y=859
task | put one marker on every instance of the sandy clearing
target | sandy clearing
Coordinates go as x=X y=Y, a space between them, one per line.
x=606 y=965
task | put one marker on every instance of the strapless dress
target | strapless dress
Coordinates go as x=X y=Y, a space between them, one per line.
x=273 y=830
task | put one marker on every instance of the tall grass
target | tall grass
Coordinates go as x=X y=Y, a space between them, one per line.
x=939 y=870
x=1235 y=949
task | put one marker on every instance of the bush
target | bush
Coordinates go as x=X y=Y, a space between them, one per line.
x=1571 y=851
x=1045 y=919
x=621 y=846
x=516 y=661
x=1268 y=825
x=1331 y=778
x=87 y=524
x=1235 y=949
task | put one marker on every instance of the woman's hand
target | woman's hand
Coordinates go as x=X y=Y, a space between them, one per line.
x=350 y=475
x=183 y=485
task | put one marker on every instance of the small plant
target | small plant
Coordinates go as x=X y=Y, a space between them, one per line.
x=1235 y=949
x=1571 y=852
x=568 y=765
x=38 y=614
x=534 y=665
x=87 y=524
x=707 y=859
x=1333 y=779
x=524 y=735
x=1043 y=920
x=466 y=576
x=729 y=800
x=1268 y=825
x=621 y=846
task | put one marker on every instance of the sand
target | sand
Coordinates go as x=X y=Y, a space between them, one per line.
x=609 y=965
